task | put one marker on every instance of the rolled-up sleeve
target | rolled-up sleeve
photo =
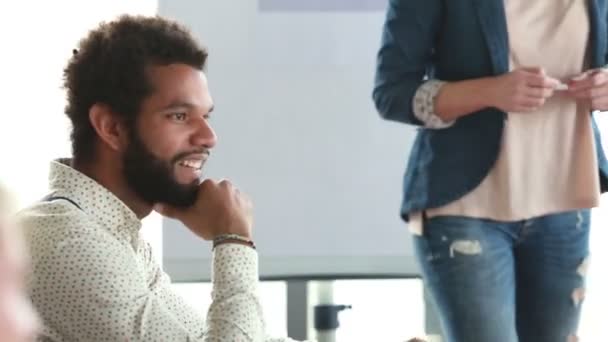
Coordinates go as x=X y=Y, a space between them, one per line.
x=405 y=56
x=424 y=105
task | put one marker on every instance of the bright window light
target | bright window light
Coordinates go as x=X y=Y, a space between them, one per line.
x=38 y=38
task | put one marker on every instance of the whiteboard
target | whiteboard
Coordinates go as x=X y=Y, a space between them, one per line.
x=299 y=133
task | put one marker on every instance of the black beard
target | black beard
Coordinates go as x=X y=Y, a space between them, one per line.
x=152 y=178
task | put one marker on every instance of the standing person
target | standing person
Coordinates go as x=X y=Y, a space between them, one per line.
x=507 y=162
x=139 y=105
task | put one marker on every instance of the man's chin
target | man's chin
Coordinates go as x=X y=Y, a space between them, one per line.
x=184 y=198
x=190 y=185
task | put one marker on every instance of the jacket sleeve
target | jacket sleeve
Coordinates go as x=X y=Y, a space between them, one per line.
x=405 y=57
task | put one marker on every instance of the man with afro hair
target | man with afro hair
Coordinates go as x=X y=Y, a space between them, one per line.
x=139 y=105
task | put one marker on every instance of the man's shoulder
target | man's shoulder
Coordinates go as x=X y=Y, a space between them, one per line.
x=49 y=212
x=57 y=231
x=53 y=220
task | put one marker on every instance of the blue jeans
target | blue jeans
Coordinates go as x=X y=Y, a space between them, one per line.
x=506 y=281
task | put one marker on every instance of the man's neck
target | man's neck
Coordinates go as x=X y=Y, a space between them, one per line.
x=110 y=177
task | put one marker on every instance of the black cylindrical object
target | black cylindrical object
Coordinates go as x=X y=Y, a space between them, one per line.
x=326 y=316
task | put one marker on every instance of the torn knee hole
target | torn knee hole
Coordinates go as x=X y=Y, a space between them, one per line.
x=467 y=247
x=578 y=295
x=583 y=267
x=579 y=220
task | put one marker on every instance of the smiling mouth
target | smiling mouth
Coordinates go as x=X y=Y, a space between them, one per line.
x=192 y=163
x=194 y=160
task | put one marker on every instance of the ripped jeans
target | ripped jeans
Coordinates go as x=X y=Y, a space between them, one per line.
x=506 y=282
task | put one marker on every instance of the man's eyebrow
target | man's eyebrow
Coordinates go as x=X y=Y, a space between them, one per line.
x=184 y=104
x=179 y=104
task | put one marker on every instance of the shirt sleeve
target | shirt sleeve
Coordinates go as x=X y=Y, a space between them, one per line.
x=90 y=287
x=87 y=285
x=236 y=313
x=424 y=105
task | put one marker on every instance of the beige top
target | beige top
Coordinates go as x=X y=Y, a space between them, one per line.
x=95 y=279
x=547 y=163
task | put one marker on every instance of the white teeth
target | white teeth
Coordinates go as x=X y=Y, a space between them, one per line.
x=195 y=164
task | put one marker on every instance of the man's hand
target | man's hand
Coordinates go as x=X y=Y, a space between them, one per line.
x=522 y=90
x=591 y=86
x=220 y=208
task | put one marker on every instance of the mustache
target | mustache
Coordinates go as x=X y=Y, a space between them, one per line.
x=183 y=155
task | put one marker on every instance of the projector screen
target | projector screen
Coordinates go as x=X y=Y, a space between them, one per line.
x=299 y=133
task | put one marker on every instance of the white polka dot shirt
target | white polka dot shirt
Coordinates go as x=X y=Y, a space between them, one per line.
x=95 y=279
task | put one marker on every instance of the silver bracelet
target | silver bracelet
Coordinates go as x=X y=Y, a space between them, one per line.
x=235 y=237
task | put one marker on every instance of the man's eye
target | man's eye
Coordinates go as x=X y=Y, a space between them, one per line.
x=179 y=116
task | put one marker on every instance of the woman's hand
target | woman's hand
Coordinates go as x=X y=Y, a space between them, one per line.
x=522 y=90
x=591 y=86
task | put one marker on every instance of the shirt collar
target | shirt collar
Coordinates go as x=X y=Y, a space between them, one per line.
x=93 y=198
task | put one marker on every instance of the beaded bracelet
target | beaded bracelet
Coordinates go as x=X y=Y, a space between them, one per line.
x=226 y=237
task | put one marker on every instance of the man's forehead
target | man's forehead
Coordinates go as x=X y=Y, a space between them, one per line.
x=175 y=72
x=179 y=86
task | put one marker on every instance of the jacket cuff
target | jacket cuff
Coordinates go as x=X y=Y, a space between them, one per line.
x=424 y=105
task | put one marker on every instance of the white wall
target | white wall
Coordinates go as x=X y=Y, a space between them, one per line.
x=298 y=131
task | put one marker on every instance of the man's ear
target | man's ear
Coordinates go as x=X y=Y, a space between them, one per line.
x=109 y=126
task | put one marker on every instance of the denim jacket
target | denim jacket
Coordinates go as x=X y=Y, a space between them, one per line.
x=453 y=41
